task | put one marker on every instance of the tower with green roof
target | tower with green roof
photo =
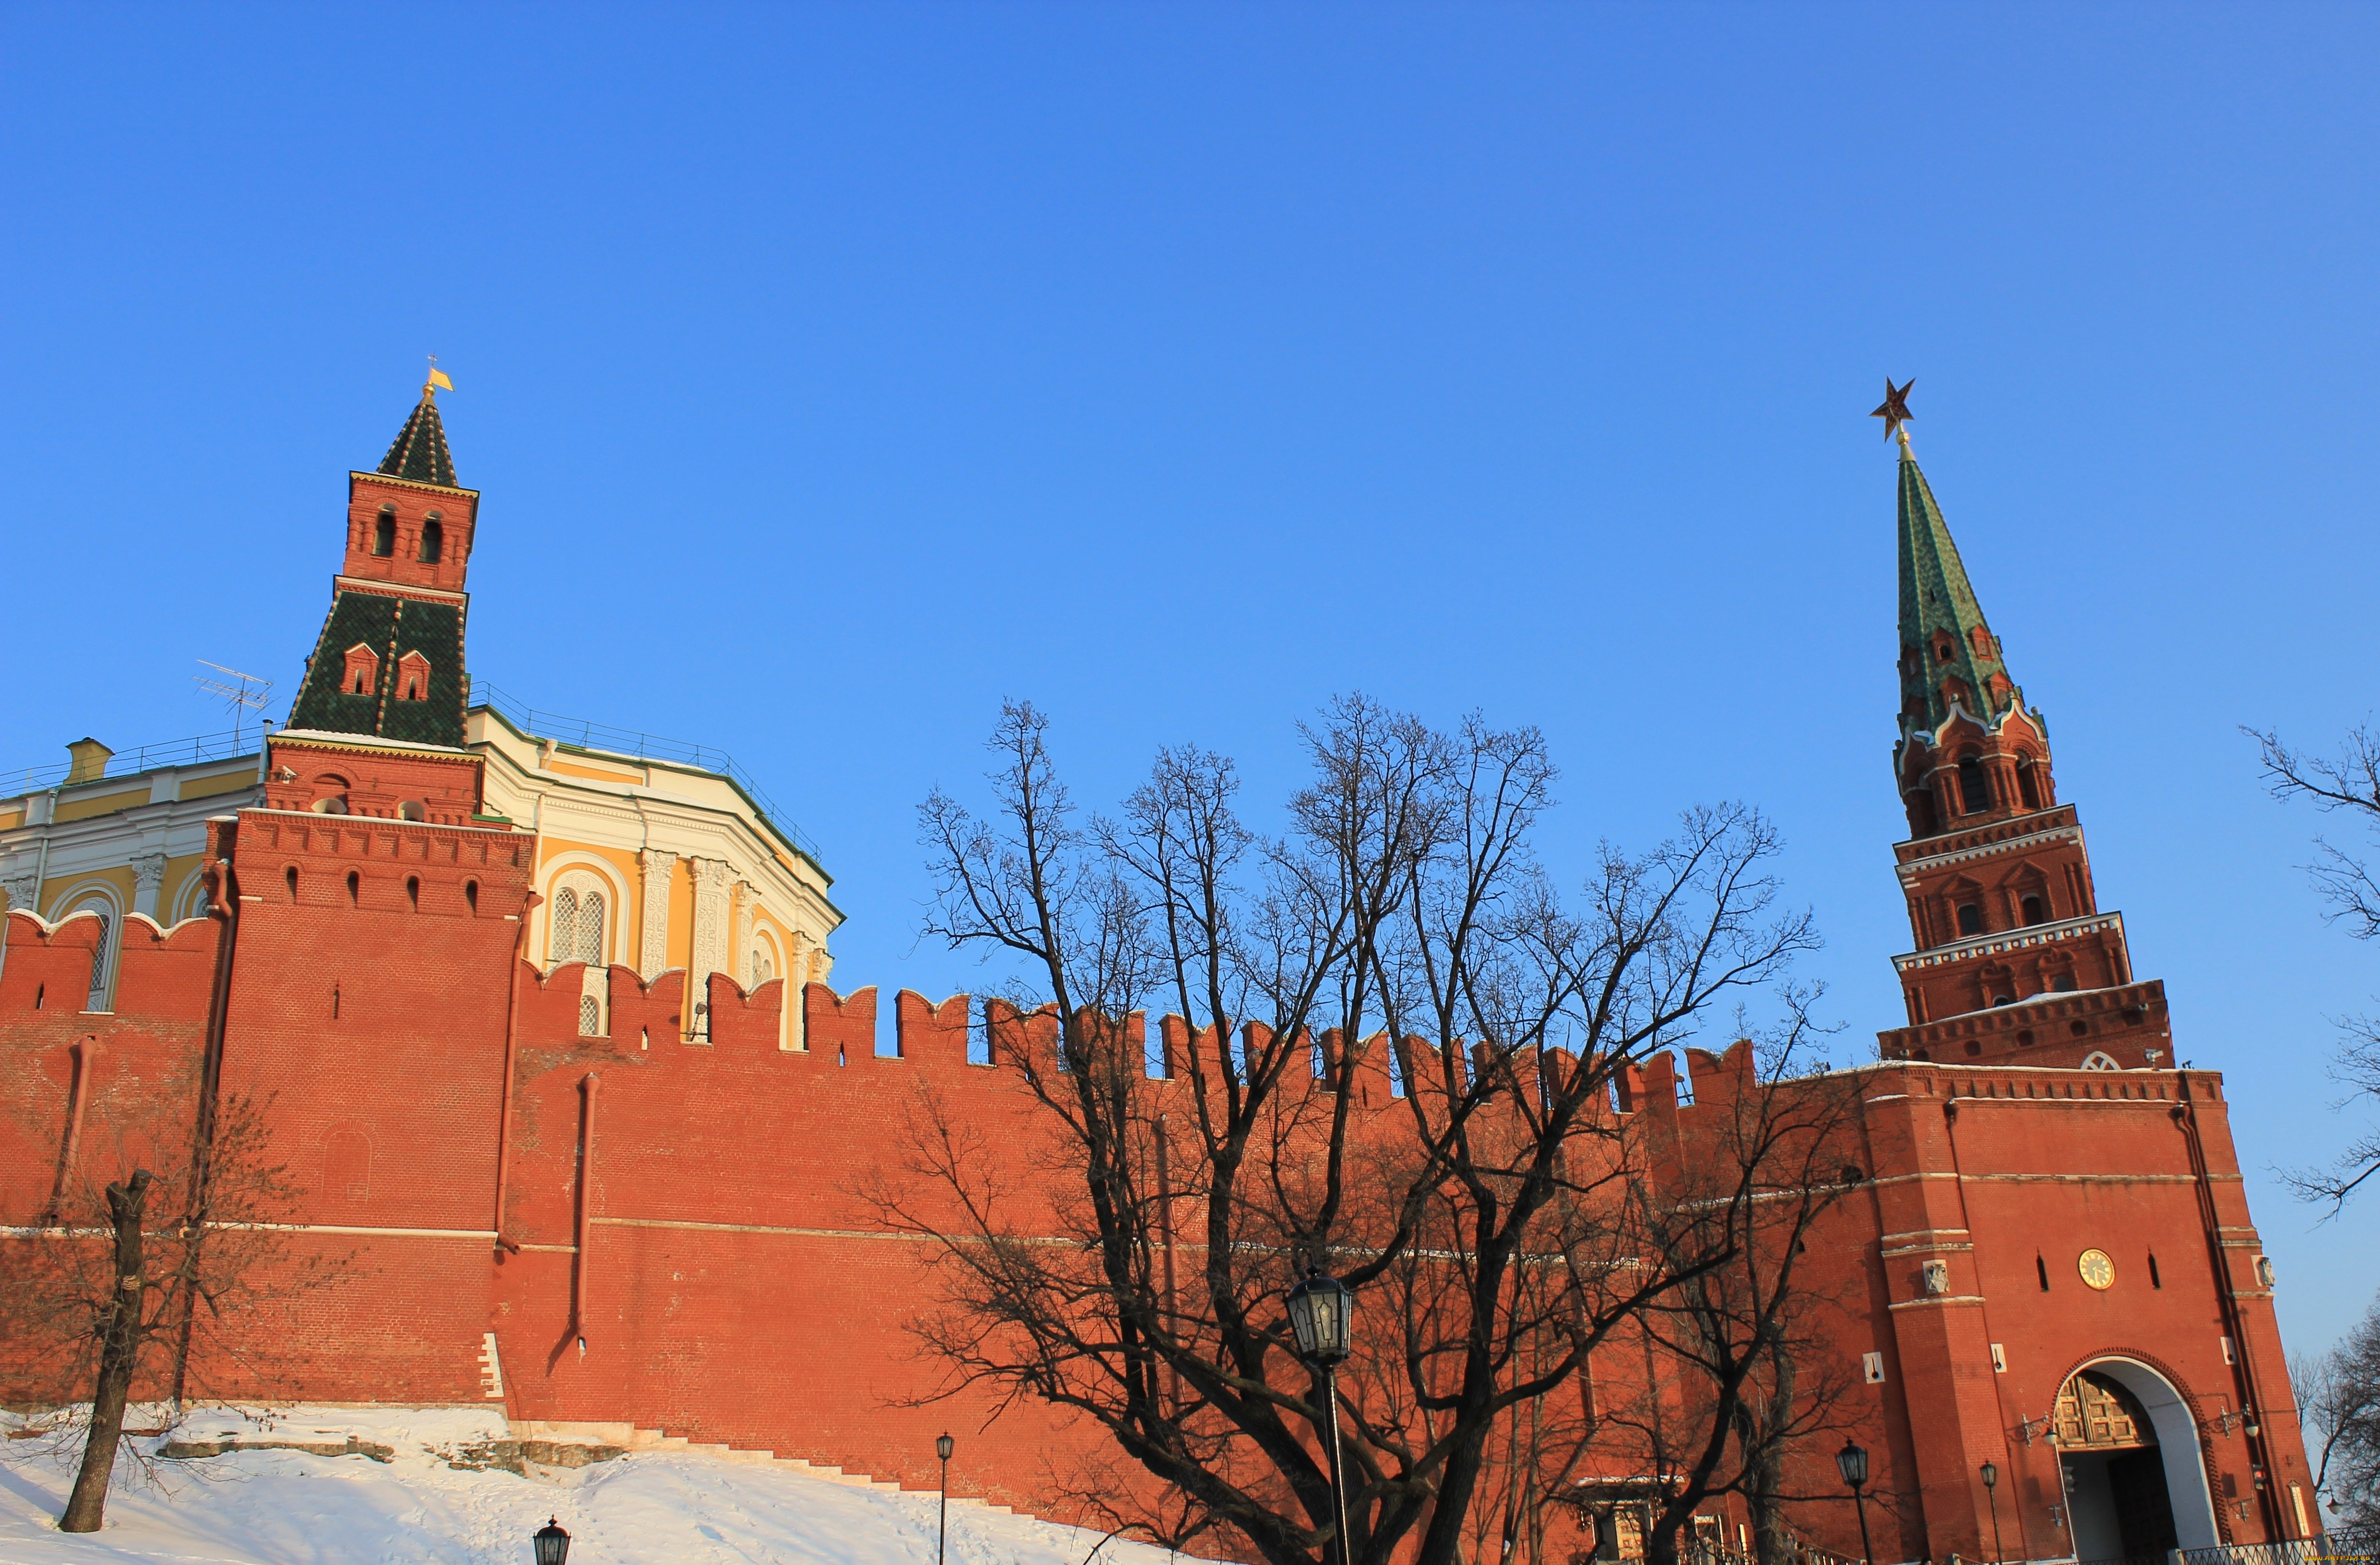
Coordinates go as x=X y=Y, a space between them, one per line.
x=2013 y=954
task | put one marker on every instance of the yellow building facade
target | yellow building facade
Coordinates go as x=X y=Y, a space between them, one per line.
x=644 y=862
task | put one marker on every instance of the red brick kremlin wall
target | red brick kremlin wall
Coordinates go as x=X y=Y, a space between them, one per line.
x=698 y=1213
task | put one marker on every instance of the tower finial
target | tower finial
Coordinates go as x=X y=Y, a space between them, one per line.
x=1895 y=411
x=438 y=382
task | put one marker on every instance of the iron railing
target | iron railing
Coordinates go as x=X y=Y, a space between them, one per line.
x=635 y=744
x=148 y=758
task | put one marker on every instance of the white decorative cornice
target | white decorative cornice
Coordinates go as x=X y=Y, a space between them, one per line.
x=1930 y=862
x=2011 y=941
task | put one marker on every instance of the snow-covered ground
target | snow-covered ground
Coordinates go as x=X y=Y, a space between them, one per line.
x=264 y=1507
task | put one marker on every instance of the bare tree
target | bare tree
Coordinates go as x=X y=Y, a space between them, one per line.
x=2338 y=1392
x=2348 y=782
x=1743 y=1376
x=162 y=1286
x=1401 y=1048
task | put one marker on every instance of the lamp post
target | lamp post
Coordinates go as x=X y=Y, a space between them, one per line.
x=549 y=1542
x=1851 y=1463
x=1319 y=1312
x=1991 y=1493
x=942 y=1526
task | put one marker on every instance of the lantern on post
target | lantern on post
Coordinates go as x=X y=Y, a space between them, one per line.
x=1320 y=1308
x=1991 y=1493
x=942 y=1448
x=551 y=1544
x=1851 y=1463
x=1321 y=1311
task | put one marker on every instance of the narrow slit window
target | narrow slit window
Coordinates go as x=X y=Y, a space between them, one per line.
x=355 y=888
x=2040 y=1270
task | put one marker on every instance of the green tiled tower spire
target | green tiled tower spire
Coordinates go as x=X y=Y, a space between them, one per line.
x=419 y=452
x=1948 y=653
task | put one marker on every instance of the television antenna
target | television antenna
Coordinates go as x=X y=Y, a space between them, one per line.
x=249 y=695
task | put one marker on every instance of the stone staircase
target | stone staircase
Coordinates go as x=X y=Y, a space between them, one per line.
x=533 y=1434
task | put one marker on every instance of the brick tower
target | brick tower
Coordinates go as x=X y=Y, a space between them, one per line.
x=388 y=664
x=2013 y=955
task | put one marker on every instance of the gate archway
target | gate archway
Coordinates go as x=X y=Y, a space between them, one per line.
x=2128 y=1453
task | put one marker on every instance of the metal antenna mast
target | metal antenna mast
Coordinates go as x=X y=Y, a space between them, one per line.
x=249 y=695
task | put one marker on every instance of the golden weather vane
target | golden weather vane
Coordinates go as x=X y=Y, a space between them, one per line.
x=1895 y=411
x=438 y=381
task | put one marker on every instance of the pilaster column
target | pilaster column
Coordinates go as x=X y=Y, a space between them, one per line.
x=713 y=885
x=147 y=875
x=654 y=952
x=743 y=952
x=797 y=977
x=24 y=890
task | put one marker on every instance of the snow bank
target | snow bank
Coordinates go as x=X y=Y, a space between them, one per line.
x=287 y=1506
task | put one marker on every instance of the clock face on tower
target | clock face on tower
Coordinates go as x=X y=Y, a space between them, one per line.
x=2097 y=1271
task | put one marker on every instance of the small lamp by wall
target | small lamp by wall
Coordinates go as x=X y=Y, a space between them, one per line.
x=551 y=1544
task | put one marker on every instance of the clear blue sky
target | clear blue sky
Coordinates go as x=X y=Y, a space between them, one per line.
x=832 y=373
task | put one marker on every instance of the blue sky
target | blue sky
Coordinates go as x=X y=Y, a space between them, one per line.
x=832 y=373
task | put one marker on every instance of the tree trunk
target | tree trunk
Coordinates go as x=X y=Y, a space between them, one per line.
x=120 y=1354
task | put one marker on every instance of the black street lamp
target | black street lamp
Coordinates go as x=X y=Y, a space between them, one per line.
x=1991 y=1489
x=551 y=1544
x=1851 y=1463
x=1321 y=1313
x=942 y=1527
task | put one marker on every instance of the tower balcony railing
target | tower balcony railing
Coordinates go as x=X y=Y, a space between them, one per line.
x=634 y=743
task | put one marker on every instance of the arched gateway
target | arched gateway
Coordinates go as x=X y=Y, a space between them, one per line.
x=2127 y=1450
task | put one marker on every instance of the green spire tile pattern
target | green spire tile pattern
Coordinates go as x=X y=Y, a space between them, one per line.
x=1938 y=601
x=392 y=627
x=419 y=452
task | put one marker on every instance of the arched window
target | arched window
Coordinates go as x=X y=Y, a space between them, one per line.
x=1975 y=793
x=434 y=539
x=2099 y=1061
x=384 y=531
x=355 y=888
x=192 y=901
x=101 y=966
x=1971 y=918
x=2035 y=911
x=2028 y=782
x=590 y=928
x=1923 y=820
x=577 y=934
x=562 y=926
x=413 y=677
x=330 y=795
